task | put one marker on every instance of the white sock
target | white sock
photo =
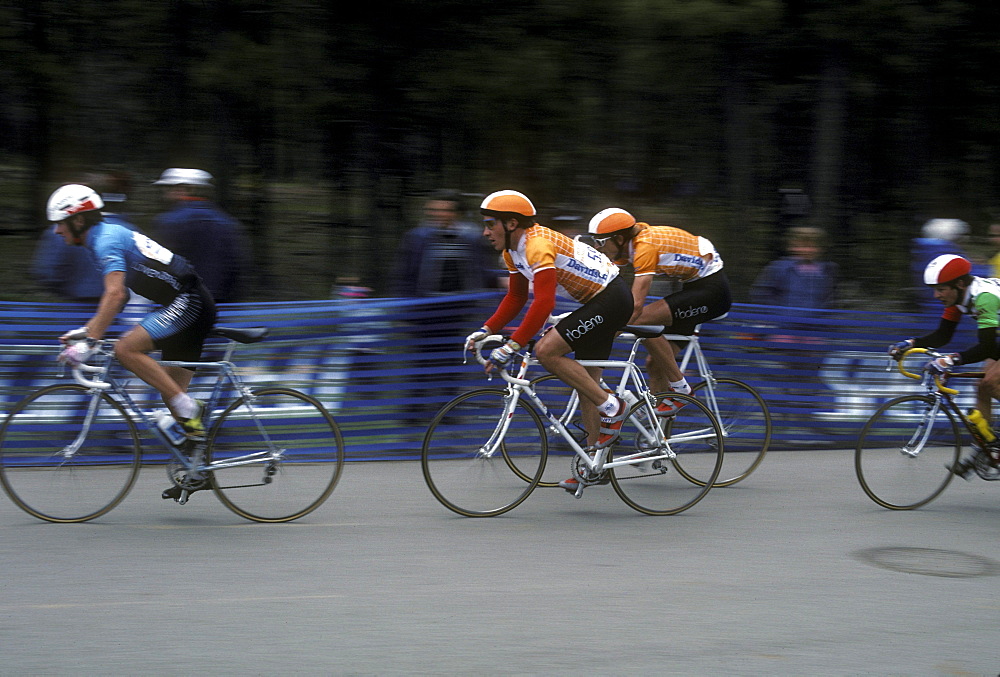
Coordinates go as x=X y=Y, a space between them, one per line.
x=184 y=405
x=610 y=407
x=681 y=387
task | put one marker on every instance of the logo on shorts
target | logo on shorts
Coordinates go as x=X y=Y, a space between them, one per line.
x=690 y=312
x=585 y=326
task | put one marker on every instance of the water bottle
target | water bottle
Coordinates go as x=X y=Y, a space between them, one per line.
x=630 y=398
x=982 y=425
x=169 y=427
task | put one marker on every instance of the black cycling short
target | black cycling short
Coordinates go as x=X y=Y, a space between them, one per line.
x=179 y=330
x=699 y=301
x=590 y=329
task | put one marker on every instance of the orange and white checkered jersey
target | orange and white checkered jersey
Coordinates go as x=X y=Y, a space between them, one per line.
x=675 y=253
x=581 y=271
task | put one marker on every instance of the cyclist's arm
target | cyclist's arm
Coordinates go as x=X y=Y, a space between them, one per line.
x=541 y=306
x=640 y=289
x=987 y=311
x=510 y=306
x=985 y=349
x=113 y=299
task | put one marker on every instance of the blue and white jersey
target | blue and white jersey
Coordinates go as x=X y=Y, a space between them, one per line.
x=150 y=270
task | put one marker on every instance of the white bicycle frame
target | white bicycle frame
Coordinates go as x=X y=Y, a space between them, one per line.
x=693 y=350
x=631 y=374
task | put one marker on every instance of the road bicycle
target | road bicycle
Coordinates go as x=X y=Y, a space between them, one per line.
x=906 y=450
x=72 y=452
x=741 y=411
x=486 y=450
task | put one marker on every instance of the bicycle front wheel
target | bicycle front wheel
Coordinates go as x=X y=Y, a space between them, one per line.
x=746 y=425
x=68 y=454
x=904 y=452
x=276 y=456
x=651 y=482
x=473 y=464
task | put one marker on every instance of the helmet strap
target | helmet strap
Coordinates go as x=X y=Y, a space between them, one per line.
x=77 y=231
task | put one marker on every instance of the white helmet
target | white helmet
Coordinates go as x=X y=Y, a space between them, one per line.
x=71 y=199
x=945 y=229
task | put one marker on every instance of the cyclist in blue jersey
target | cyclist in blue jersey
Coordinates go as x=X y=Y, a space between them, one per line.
x=129 y=260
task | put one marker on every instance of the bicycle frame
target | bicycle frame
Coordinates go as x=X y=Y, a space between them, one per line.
x=693 y=350
x=518 y=385
x=943 y=396
x=102 y=380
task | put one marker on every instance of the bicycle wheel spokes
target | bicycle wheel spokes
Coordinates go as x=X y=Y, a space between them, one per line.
x=563 y=403
x=55 y=470
x=470 y=468
x=904 y=451
x=658 y=486
x=746 y=425
x=287 y=456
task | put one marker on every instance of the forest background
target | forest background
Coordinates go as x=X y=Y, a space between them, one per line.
x=326 y=123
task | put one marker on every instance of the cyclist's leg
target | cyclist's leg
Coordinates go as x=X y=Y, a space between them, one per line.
x=988 y=388
x=133 y=349
x=179 y=331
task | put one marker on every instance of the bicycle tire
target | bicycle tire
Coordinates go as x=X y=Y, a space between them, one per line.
x=474 y=484
x=564 y=403
x=40 y=477
x=658 y=487
x=898 y=480
x=278 y=488
x=746 y=424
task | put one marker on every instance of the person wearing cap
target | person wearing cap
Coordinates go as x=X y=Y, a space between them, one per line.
x=69 y=272
x=197 y=229
x=130 y=261
x=551 y=262
x=950 y=279
x=937 y=237
x=675 y=254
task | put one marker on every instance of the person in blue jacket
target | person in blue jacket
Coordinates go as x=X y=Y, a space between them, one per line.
x=196 y=228
x=801 y=279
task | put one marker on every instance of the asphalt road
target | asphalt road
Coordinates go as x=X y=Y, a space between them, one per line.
x=774 y=576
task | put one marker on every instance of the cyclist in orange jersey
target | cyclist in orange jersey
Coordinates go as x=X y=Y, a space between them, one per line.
x=551 y=261
x=676 y=254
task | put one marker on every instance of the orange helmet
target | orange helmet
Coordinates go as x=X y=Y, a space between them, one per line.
x=507 y=202
x=610 y=221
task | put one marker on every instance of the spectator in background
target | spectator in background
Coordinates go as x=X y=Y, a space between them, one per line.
x=799 y=279
x=209 y=238
x=442 y=255
x=995 y=243
x=69 y=272
x=937 y=237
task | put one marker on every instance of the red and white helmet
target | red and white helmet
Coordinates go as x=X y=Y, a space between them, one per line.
x=71 y=199
x=610 y=221
x=946 y=268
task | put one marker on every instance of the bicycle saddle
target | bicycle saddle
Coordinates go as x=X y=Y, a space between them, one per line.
x=249 y=335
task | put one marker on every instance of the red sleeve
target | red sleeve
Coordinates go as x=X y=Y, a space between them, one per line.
x=510 y=306
x=541 y=307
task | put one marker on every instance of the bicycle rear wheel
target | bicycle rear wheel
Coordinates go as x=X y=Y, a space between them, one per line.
x=904 y=452
x=54 y=470
x=746 y=425
x=290 y=454
x=470 y=467
x=658 y=487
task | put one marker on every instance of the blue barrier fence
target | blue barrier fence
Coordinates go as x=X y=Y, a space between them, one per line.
x=384 y=366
